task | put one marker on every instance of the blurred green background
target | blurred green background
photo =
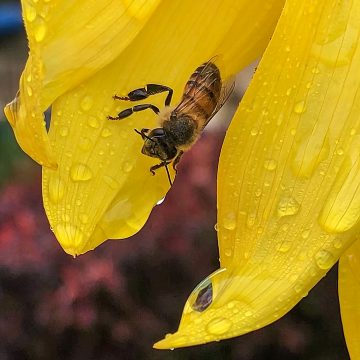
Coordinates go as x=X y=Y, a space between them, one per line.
x=116 y=301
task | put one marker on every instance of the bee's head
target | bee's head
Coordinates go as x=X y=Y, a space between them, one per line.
x=157 y=144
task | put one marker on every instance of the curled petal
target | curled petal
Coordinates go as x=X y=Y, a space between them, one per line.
x=68 y=42
x=349 y=293
x=288 y=182
x=103 y=187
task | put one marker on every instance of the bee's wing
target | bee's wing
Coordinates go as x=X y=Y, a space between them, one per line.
x=226 y=91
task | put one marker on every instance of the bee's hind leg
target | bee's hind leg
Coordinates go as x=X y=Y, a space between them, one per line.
x=177 y=159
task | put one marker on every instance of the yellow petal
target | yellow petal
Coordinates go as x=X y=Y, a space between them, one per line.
x=349 y=293
x=107 y=190
x=68 y=41
x=288 y=182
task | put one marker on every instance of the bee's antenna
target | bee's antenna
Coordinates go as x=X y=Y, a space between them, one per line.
x=143 y=135
x=168 y=174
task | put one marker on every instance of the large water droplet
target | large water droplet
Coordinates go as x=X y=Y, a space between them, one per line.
x=69 y=236
x=80 y=172
x=288 y=206
x=219 y=326
x=56 y=189
x=324 y=259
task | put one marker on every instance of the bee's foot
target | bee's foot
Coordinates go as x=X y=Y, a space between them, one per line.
x=152 y=172
x=116 y=97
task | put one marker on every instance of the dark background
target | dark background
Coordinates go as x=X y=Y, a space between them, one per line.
x=116 y=301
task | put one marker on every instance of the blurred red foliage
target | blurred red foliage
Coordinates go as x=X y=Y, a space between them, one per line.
x=116 y=301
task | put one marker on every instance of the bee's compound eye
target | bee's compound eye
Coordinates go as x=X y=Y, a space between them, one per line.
x=157 y=132
x=204 y=298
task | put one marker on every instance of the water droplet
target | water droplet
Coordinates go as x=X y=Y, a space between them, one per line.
x=84 y=143
x=250 y=221
x=340 y=151
x=64 y=131
x=228 y=252
x=288 y=206
x=229 y=221
x=56 y=189
x=315 y=70
x=338 y=243
x=80 y=172
x=29 y=90
x=254 y=132
x=258 y=192
x=93 y=122
x=324 y=259
x=83 y=218
x=308 y=85
x=40 y=30
x=86 y=103
x=219 y=326
x=288 y=91
x=216 y=227
x=249 y=313
x=284 y=246
x=299 y=107
x=30 y=13
x=160 y=201
x=270 y=164
x=111 y=182
x=127 y=166
x=305 y=234
x=105 y=133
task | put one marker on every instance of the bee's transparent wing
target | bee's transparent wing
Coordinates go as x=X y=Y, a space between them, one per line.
x=226 y=90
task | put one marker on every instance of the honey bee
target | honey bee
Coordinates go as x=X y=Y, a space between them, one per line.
x=180 y=126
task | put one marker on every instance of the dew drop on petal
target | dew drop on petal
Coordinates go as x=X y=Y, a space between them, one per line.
x=127 y=166
x=84 y=219
x=93 y=122
x=40 y=30
x=30 y=13
x=324 y=259
x=287 y=206
x=86 y=103
x=299 y=107
x=270 y=164
x=229 y=221
x=105 y=133
x=80 y=172
x=219 y=326
x=160 y=201
x=64 y=131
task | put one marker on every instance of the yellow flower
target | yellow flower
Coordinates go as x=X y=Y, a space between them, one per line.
x=289 y=172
